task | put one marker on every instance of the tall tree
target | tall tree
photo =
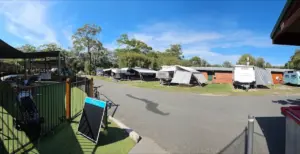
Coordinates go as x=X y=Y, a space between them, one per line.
x=204 y=63
x=243 y=60
x=295 y=60
x=175 y=50
x=50 y=47
x=216 y=65
x=260 y=62
x=268 y=65
x=227 y=64
x=132 y=45
x=85 y=38
x=27 y=48
x=195 y=61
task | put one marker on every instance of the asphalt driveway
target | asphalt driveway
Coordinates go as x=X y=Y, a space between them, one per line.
x=192 y=123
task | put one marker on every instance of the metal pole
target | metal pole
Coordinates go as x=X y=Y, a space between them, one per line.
x=250 y=132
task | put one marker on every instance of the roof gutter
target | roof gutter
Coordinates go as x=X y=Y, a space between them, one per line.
x=283 y=12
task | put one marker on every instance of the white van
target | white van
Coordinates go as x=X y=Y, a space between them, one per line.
x=243 y=76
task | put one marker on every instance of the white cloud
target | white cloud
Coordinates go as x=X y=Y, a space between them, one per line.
x=67 y=32
x=199 y=43
x=30 y=21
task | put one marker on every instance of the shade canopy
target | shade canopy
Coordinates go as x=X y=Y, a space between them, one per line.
x=42 y=54
x=287 y=31
x=7 y=51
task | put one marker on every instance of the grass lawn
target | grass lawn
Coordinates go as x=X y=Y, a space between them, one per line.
x=214 y=89
x=67 y=141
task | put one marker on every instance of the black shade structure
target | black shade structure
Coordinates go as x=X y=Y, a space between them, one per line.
x=42 y=54
x=286 y=30
x=7 y=51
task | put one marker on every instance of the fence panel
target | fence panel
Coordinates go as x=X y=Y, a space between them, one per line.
x=79 y=90
x=16 y=135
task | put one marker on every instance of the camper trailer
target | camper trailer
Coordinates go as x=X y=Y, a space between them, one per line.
x=291 y=77
x=166 y=74
x=243 y=76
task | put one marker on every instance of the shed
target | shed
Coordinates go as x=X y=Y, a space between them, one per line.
x=216 y=74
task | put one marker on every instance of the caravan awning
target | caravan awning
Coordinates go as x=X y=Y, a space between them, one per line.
x=200 y=78
x=263 y=76
x=144 y=70
x=182 y=77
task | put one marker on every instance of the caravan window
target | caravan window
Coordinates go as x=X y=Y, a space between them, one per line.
x=286 y=76
x=293 y=76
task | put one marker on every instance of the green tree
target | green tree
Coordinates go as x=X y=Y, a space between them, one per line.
x=132 y=45
x=243 y=60
x=260 y=62
x=204 y=63
x=295 y=60
x=27 y=48
x=154 y=59
x=50 y=47
x=268 y=65
x=87 y=67
x=216 y=65
x=227 y=64
x=195 y=61
x=175 y=50
x=185 y=62
x=85 y=38
x=133 y=59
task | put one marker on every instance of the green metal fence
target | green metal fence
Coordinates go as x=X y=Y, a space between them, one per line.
x=50 y=101
x=79 y=90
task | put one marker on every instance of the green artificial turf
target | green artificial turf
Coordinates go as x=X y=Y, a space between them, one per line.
x=66 y=140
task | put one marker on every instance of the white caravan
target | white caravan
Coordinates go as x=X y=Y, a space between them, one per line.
x=243 y=76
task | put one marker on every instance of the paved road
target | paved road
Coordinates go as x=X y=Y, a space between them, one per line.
x=192 y=123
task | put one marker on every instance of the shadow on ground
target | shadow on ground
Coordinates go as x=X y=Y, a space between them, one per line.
x=271 y=141
x=287 y=102
x=150 y=106
x=237 y=145
x=273 y=129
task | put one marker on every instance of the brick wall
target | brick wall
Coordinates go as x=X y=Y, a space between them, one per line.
x=222 y=77
x=205 y=74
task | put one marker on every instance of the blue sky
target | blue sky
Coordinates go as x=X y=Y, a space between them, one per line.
x=213 y=30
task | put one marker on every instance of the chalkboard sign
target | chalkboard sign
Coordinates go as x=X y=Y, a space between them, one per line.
x=91 y=118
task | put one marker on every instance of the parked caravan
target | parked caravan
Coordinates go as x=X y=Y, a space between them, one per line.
x=243 y=76
x=287 y=76
x=166 y=74
x=107 y=72
x=292 y=77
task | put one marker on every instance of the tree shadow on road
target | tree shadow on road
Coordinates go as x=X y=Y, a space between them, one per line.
x=150 y=106
x=288 y=102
